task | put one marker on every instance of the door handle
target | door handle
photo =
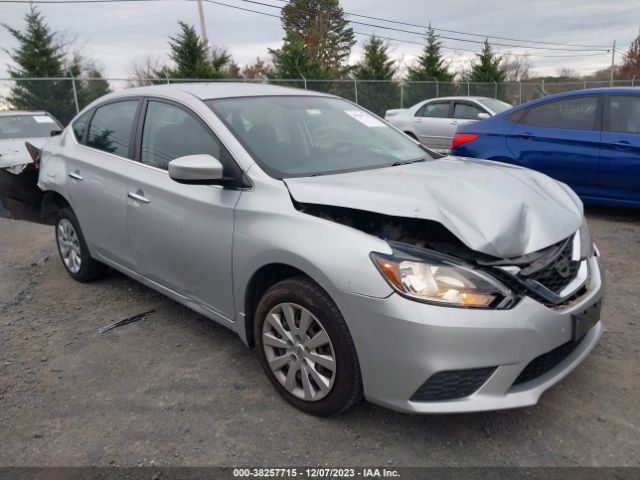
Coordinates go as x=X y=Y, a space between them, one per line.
x=138 y=197
x=417 y=120
x=76 y=176
x=525 y=135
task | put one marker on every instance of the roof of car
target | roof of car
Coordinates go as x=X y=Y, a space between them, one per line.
x=206 y=91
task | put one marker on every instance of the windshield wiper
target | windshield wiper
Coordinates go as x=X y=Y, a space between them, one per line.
x=407 y=162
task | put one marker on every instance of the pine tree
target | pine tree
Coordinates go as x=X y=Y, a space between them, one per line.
x=430 y=65
x=39 y=54
x=191 y=57
x=488 y=69
x=317 y=40
x=376 y=64
x=631 y=65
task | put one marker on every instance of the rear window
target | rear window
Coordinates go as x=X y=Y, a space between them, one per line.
x=578 y=113
x=27 y=126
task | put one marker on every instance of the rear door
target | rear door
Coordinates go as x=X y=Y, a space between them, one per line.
x=619 y=168
x=432 y=124
x=562 y=139
x=181 y=234
x=95 y=167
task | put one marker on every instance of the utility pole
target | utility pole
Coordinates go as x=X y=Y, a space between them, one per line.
x=613 y=61
x=203 y=28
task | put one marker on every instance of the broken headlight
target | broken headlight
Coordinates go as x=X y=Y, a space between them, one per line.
x=440 y=279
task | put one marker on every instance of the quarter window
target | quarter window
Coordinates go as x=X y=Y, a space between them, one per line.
x=466 y=111
x=111 y=127
x=577 y=113
x=171 y=132
x=435 y=109
x=624 y=114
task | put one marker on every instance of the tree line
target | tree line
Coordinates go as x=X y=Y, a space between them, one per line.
x=317 y=45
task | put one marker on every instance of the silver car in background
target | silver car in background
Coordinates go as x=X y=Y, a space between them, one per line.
x=357 y=262
x=433 y=122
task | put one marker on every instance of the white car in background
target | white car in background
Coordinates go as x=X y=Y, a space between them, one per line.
x=17 y=169
x=433 y=122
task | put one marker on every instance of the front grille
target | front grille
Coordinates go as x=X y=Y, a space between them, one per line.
x=546 y=362
x=452 y=384
x=559 y=273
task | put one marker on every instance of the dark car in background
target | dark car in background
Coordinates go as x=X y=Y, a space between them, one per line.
x=589 y=139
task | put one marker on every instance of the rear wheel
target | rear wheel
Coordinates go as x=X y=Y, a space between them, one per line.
x=306 y=349
x=73 y=249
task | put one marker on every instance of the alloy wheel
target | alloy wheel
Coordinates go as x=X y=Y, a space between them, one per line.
x=69 y=245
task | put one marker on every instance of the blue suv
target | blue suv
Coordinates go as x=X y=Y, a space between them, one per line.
x=589 y=139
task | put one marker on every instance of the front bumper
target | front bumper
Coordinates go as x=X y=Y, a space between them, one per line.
x=402 y=343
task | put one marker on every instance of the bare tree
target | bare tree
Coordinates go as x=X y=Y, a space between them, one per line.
x=260 y=70
x=517 y=67
x=567 y=73
x=141 y=70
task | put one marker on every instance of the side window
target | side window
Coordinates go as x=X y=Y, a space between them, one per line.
x=435 y=109
x=577 y=113
x=170 y=132
x=466 y=111
x=111 y=127
x=80 y=126
x=624 y=113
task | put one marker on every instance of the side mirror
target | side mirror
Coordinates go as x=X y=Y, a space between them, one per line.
x=483 y=116
x=196 y=169
x=55 y=133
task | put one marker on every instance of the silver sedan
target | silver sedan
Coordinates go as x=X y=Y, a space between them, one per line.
x=433 y=122
x=356 y=262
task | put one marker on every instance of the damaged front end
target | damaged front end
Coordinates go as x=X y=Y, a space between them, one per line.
x=430 y=264
x=20 y=197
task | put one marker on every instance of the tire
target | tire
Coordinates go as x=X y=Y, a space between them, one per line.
x=345 y=387
x=73 y=249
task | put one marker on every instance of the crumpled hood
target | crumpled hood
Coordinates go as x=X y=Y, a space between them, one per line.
x=13 y=152
x=498 y=209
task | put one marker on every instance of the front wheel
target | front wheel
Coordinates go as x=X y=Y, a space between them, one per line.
x=73 y=249
x=306 y=349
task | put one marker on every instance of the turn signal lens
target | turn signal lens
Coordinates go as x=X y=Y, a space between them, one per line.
x=462 y=138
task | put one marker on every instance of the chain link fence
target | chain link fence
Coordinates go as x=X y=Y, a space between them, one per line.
x=64 y=96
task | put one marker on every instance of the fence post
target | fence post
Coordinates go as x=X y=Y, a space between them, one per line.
x=495 y=89
x=355 y=88
x=437 y=88
x=75 y=92
x=520 y=92
x=401 y=94
x=305 y=81
x=632 y=80
x=468 y=90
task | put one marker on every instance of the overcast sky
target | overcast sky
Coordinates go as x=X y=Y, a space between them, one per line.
x=114 y=34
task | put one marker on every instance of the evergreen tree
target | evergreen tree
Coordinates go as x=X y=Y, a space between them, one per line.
x=191 y=58
x=39 y=54
x=317 y=40
x=631 y=65
x=376 y=64
x=488 y=69
x=430 y=66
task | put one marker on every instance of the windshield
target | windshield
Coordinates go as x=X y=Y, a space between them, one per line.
x=26 y=126
x=498 y=106
x=301 y=136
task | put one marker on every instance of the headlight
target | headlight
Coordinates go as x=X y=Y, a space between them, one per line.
x=586 y=244
x=439 y=279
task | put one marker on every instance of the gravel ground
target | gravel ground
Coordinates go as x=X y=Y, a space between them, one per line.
x=177 y=389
